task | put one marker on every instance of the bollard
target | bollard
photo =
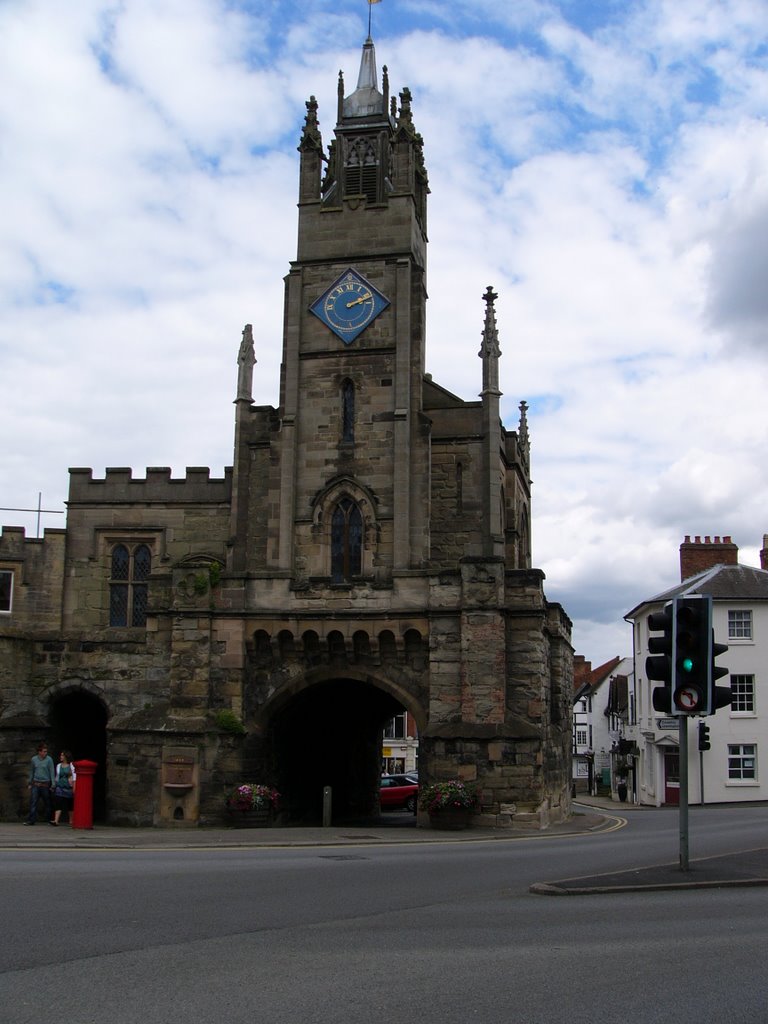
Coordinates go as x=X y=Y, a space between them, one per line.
x=327 y=800
x=82 y=814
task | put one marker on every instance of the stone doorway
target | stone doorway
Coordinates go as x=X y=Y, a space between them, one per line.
x=330 y=734
x=78 y=722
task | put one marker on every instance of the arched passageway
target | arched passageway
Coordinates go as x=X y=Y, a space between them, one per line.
x=78 y=722
x=330 y=735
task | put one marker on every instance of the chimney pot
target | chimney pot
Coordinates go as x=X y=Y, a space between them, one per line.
x=699 y=556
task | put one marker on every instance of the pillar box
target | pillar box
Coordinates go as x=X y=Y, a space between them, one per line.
x=82 y=814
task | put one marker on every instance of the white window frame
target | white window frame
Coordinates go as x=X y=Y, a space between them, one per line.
x=9 y=609
x=743 y=687
x=742 y=757
x=740 y=624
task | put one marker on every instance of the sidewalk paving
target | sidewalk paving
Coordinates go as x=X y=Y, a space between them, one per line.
x=591 y=815
x=388 y=830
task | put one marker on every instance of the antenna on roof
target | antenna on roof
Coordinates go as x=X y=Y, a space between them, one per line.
x=40 y=511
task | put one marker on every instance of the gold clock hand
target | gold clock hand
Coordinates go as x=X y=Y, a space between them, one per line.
x=362 y=298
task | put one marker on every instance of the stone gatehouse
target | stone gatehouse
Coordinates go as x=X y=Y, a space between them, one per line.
x=368 y=551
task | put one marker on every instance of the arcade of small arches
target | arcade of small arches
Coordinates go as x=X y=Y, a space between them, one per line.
x=409 y=650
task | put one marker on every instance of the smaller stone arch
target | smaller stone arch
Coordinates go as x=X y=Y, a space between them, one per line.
x=415 y=650
x=361 y=645
x=337 y=646
x=262 y=648
x=313 y=654
x=78 y=719
x=286 y=644
x=387 y=647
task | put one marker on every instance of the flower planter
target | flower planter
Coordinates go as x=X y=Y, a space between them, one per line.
x=260 y=818
x=450 y=818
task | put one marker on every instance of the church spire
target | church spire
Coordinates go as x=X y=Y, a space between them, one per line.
x=366 y=100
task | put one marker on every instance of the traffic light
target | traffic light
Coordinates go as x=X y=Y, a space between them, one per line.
x=692 y=655
x=659 y=664
x=704 y=743
x=720 y=696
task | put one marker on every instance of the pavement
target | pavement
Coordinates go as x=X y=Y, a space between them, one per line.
x=591 y=815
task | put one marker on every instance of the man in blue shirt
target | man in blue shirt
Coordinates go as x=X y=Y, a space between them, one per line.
x=41 y=780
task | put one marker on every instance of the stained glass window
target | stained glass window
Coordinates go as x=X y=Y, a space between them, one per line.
x=346 y=541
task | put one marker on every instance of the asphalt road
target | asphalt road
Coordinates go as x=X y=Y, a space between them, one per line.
x=446 y=933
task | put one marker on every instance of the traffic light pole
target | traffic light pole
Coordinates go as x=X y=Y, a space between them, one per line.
x=701 y=778
x=683 y=745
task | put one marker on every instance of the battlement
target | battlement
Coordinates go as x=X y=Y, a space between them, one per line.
x=118 y=486
x=14 y=541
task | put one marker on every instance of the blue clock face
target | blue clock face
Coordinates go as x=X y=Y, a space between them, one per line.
x=349 y=305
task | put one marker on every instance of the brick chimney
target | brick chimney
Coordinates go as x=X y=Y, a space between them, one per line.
x=764 y=553
x=697 y=555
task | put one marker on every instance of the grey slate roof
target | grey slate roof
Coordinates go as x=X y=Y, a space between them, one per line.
x=723 y=583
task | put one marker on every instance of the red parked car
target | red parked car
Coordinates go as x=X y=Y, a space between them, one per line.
x=398 y=791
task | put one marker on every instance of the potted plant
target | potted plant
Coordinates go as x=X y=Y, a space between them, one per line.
x=449 y=804
x=251 y=804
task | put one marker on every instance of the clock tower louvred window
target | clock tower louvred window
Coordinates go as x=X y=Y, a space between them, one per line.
x=361 y=171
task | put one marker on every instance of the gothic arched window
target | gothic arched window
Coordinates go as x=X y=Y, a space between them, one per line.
x=346 y=541
x=347 y=411
x=129 y=573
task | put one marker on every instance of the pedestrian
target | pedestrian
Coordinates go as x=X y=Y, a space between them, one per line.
x=41 y=778
x=64 y=788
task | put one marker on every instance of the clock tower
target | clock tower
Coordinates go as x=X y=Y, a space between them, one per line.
x=376 y=517
x=351 y=421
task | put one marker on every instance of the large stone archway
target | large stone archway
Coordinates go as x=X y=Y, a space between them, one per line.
x=326 y=730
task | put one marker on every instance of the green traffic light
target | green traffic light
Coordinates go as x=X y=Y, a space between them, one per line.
x=687 y=664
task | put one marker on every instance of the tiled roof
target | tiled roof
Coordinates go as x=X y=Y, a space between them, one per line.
x=591 y=680
x=723 y=582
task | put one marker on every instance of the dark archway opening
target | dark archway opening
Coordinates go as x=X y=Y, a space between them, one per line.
x=78 y=722
x=330 y=735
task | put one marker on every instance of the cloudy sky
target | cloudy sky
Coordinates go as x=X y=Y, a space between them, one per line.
x=602 y=163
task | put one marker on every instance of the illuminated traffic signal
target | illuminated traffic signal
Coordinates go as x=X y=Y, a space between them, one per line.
x=704 y=743
x=659 y=664
x=692 y=655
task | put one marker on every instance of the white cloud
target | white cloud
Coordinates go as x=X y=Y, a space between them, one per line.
x=603 y=168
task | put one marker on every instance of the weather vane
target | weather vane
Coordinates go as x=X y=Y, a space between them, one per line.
x=370 y=5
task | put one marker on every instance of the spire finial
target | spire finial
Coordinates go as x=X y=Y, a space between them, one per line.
x=246 y=360
x=522 y=432
x=490 y=345
x=310 y=136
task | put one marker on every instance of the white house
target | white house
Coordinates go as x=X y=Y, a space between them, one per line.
x=601 y=710
x=730 y=770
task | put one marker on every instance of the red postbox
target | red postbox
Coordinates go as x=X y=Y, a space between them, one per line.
x=82 y=813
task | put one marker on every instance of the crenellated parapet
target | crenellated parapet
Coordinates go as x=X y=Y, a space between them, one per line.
x=15 y=543
x=119 y=486
x=36 y=566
